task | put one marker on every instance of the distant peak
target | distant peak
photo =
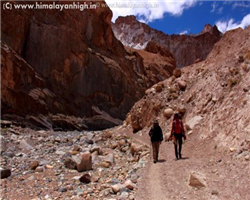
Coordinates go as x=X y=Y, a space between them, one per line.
x=207 y=28
x=126 y=19
x=213 y=30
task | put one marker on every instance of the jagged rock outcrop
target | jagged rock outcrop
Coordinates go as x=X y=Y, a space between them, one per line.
x=158 y=62
x=215 y=100
x=186 y=49
x=66 y=69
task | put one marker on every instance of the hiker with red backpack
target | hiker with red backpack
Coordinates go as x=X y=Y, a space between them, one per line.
x=156 y=137
x=177 y=133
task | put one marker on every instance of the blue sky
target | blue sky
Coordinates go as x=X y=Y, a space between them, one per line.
x=185 y=16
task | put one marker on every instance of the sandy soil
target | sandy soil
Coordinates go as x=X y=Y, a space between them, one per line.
x=226 y=173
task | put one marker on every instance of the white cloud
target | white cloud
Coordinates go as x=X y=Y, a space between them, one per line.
x=214 y=6
x=220 y=10
x=228 y=2
x=241 y=5
x=149 y=10
x=224 y=26
x=183 y=32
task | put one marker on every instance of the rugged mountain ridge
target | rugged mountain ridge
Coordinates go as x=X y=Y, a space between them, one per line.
x=213 y=95
x=65 y=69
x=186 y=49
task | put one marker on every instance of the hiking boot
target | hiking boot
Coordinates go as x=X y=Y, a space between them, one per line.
x=155 y=161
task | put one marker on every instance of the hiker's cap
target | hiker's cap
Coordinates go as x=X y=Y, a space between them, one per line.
x=156 y=121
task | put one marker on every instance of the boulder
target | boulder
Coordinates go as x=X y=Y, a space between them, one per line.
x=97 y=149
x=129 y=185
x=172 y=89
x=135 y=123
x=39 y=169
x=124 y=196
x=83 y=161
x=74 y=152
x=121 y=142
x=69 y=163
x=109 y=158
x=116 y=188
x=194 y=121
x=182 y=84
x=89 y=141
x=34 y=165
x=104 y=164
x=76 y=148
x=106 y=135
x=168 y=113
x=197 y=180
x=85 y=178
x=158 y=88
x=5 y=173
x=135 y=148
x=177 y=73
x=182 y=109
x=150 y=91
x=25 y=146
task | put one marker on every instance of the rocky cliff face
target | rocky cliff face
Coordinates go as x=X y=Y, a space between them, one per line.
x=186 y=49
x=67 y=69
x=213 y=95
x=158 y=62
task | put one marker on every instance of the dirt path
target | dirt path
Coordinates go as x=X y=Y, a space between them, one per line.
x=226 y=177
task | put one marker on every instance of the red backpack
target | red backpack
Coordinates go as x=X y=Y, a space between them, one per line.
x=177 y=126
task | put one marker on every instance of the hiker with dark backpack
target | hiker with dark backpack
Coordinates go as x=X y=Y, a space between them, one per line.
x=177 y=133
x=156 y=137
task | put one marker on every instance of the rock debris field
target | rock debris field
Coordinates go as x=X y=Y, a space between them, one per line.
x=69 y=165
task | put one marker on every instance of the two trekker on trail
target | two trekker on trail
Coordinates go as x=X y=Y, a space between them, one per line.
x=177 y=133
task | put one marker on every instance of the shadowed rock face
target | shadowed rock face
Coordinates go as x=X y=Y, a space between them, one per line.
x=186 y=49
x=61 y=64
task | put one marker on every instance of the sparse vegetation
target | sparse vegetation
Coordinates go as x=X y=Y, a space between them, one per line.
x=231 y=82
x=241 y=59
x=234 y=71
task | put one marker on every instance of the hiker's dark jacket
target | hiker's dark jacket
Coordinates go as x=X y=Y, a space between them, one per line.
x=155 y=134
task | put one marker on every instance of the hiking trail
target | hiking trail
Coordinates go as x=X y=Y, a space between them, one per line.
x=169 y=179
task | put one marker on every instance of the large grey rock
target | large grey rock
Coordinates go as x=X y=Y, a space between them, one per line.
x=25 y=146
x=109 y=158
x=89 y=135
x=123 y=196
x=2 y=144
x=194 y=121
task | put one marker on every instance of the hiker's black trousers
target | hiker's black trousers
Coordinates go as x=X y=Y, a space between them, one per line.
x=178 y=145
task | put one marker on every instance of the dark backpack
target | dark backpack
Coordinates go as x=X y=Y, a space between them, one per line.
x=177 y=126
